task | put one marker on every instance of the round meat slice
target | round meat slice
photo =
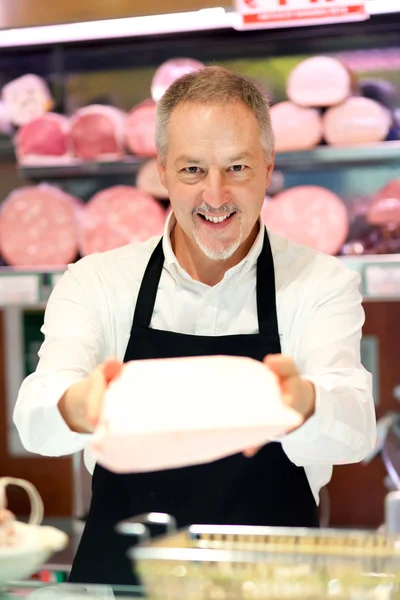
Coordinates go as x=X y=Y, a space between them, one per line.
x=309 y=215
x=46 y=136
x=318 y=82
x=357 y=121
x=118 y=216
x=149 y=180
x=26 y=98
x=295 y=128
x=38 y=227
x=140 y=133
x=169 y=71
x=98 y=133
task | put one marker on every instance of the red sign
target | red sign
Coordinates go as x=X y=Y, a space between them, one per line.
x=264 y=14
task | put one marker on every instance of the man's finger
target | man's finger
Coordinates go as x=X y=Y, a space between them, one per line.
x=94 y=401
x=283 y=366
x=112 y=369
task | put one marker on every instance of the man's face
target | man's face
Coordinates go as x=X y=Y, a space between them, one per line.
x=216 y=175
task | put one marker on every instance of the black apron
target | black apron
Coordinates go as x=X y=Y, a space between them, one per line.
x=267 y=489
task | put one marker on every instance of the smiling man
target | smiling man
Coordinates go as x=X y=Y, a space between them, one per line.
x=215 y=283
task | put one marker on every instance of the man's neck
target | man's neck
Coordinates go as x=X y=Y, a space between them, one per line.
x=198 y=265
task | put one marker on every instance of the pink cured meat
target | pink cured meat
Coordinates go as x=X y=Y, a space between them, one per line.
x=169 y=72
x=149 y=181
x=98 y=132
x=357 y=121
x=309 y=215
x=319 y=81
x=140 y=133
x=295 y=128
x=118 y=216
x=46 y=136
x=38 y=227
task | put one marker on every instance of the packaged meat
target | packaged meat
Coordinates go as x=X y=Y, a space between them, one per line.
x=140 y=132
x=356 y=121
x=149 y=181
x=319 y=82
x=43 y=139
x=169 y=71
x=309 y=215
x=118 y=216
x=26 y=98
x=98 y=133
x=38 y=226
x=295 y=128
x=139 y=433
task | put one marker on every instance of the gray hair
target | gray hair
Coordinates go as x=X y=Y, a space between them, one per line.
x=214 y=85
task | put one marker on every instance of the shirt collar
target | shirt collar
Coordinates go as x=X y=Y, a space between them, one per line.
x=173 y=266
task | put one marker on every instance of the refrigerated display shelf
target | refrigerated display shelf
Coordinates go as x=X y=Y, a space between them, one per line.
x=380 y=280
x=322 y=157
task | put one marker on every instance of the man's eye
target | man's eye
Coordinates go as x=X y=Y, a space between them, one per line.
x=238 y=168
x=191 y=170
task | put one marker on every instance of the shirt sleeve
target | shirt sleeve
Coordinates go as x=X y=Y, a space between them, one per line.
x=73 y=345
x=343 y=427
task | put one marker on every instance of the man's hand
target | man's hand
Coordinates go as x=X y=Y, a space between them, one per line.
x=82 y=403
x=298 y=393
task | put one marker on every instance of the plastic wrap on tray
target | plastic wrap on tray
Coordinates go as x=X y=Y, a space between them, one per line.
x=169 y=71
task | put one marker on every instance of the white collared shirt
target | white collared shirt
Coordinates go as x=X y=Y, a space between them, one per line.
x=320 y=316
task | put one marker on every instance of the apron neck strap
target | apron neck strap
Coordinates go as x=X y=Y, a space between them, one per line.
x=266 y=301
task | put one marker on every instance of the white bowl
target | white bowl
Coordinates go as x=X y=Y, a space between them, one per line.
x=34 y=547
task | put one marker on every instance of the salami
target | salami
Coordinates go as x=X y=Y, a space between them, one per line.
x=44 y=137
x=149 y=181
x=357 y=121
x=38 y=227
x=140 y=133
x=26 y=98
x=309 y=215
x=118 y=216
x=98 y=133
x=169 y=71
x=319 y=82
x=295 y=128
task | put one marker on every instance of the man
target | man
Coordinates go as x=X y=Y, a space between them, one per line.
x=216 y=283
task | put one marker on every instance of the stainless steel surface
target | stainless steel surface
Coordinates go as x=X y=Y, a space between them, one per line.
x=230 y=563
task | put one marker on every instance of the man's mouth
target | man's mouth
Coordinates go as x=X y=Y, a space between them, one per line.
x=216 y=218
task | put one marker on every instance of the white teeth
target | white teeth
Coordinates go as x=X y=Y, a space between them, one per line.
x=216 y=219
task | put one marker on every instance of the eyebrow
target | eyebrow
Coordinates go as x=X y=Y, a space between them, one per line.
x=232 y=159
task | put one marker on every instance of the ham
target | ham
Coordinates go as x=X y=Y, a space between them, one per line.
x=118 y=216
x=98 y=133
x=149 y=181
x=295 y=128
x=26 y=98
x=43 y=138
x=38 y=227
x=140 y=133
x=309 y=215
x=319 y=81
x=169 y=71
x=358 y=120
